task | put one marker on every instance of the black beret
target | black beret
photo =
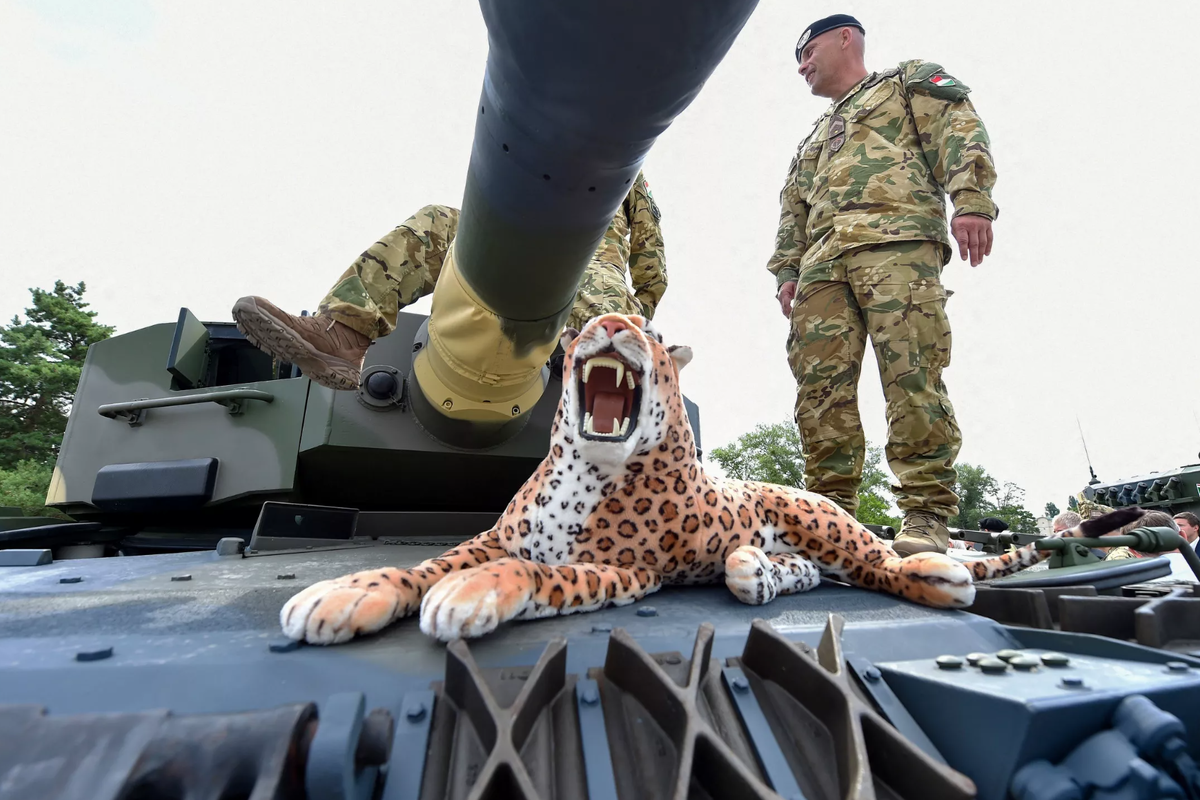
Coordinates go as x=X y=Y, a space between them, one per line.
x=992 y=525
x=823 y=25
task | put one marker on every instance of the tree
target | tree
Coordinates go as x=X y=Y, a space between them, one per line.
x=1051 y=511
x=980 y=495
x=1010 y=507
x=975 y=490
x=769 y=453
x=874 y=493
x=40 y=362
x=774 y=454
x=24 y=486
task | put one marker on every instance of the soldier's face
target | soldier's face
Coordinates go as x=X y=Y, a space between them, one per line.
x=820 y=62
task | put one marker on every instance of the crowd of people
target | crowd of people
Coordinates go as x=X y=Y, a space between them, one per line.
x=1185 y=523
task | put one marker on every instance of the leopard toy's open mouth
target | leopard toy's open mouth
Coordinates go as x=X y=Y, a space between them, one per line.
x=611 y=392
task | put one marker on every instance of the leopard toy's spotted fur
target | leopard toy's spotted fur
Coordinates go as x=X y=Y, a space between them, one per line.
x=620 y=506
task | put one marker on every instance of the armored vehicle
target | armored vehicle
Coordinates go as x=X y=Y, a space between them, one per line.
x=1172 y=491
x=140 y=648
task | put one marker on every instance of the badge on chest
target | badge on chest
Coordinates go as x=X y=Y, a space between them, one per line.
x=837 y=133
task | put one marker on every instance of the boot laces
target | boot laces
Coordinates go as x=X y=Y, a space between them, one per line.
x=922 y=523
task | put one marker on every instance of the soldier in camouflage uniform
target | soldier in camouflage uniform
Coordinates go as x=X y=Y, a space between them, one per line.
x=860 y=250
x=1089 y=509
x=403 y=267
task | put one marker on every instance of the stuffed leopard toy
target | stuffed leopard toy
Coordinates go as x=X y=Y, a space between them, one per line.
x=620 y=506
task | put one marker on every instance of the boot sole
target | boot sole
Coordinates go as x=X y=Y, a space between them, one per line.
x=267 y=334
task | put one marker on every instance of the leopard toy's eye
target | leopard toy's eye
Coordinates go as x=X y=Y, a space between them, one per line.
x=652 y=332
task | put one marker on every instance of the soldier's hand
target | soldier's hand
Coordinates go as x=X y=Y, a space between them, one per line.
x=973 y=232
x=787 y=293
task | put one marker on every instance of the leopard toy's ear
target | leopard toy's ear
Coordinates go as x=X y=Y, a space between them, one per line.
x=568 y=335
x=681 y=354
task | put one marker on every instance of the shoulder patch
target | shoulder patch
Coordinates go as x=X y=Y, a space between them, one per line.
x=929 y=78
x=650 y=196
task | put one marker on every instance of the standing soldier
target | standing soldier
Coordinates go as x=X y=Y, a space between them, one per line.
x=403 y=267
x=861 y=245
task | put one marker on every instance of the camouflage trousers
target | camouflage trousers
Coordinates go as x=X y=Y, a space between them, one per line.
x=891 y=293
x=403 y=267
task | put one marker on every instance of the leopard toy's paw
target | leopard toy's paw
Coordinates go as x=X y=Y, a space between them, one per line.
x=750 y=575
x=939 y=580
x=474 y=602
x=335 y=611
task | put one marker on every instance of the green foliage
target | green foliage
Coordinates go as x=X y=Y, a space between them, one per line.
x=25 y=486
x=874 y=493
x=1011 y=509
x=1051 y=511
x=980 y=495
x=975 y=489
x=774 y=454
x=40 y=361
x=769 y=453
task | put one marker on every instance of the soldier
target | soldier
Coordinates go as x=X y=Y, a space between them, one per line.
x=861 y=245
x=1089 y=509
x=1151 y=519
x=403 y=267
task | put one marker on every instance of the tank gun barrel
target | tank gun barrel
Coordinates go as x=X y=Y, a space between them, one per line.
x=572 y=102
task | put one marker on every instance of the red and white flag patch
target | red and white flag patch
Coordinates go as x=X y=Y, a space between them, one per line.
x=942 y=80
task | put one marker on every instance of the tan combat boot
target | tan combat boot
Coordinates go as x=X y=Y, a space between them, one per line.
x=324 y=349
x=921 y=532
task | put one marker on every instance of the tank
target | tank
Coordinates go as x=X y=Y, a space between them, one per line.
x=140 y=648
x=1171 y=491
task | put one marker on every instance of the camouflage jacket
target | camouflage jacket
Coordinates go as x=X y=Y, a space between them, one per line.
x=1121 y=553
x=877 y=167
x=634 y=240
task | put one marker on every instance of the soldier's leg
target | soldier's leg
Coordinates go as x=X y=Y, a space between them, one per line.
x=899 y=290
x=602 y=290
x=362 y=306
x=396 y=271
x=825 y=351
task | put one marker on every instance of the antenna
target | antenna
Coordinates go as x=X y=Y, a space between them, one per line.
x=1094 y=479
x=1196 y=419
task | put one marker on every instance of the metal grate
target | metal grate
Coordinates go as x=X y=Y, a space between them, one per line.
x=782 y=720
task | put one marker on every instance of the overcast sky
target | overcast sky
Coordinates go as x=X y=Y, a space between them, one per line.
x=184 y=154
